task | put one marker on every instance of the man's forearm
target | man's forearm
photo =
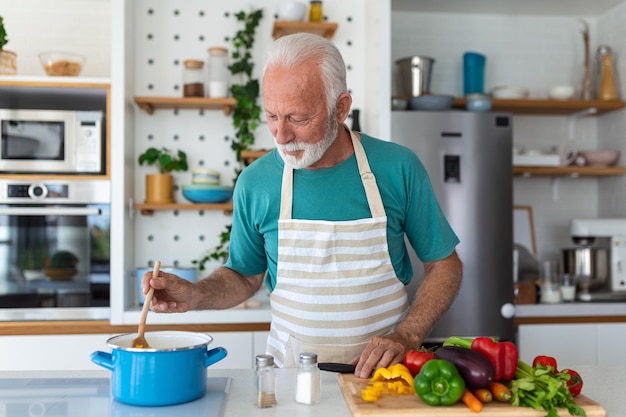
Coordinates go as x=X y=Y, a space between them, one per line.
x=442 y=280
x=224 y=288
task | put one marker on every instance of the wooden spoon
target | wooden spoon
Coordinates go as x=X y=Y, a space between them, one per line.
x=140 y=341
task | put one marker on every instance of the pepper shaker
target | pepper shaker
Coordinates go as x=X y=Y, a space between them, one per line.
x=265 y=379
x=308 y=379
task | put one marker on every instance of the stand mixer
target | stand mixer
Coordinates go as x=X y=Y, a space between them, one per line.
x=599 y=260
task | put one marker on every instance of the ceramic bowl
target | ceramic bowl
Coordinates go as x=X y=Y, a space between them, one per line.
x=205 y=176
x=399 y=103
x=207 y=193
x=509 y=91
x=603 y=157
x=561 y=92
x=431 y=102
x=62 y=63
x=478 y=102
x=293 y=11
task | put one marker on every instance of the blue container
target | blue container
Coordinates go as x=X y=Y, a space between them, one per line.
x=473 y=73
x=172 y=371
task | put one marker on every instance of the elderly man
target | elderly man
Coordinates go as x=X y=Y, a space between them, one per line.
x=322 y=220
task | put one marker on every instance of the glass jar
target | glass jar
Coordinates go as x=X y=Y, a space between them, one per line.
x=308 y=379
x=549 y=285
x=193 y=78
x=316 y=11
x=265 y=381
x=219 y=74
x=607 y=85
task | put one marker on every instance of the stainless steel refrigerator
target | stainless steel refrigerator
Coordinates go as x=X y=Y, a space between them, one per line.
x=468 y=158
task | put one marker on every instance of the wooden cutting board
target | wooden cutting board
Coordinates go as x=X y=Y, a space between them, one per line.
x=411 y=405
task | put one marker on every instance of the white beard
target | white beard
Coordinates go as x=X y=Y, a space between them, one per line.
x=313 y=152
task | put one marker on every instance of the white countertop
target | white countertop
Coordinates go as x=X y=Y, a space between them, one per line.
x=576 y=309
x=603 y=384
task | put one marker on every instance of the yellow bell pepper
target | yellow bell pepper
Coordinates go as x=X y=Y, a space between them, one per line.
x=395 y=379
x=393 y=372
x=371 y=393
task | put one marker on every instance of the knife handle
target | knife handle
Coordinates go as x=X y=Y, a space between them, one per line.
x=342 y=368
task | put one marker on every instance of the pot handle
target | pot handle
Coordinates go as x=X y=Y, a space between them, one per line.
x=214 y=355
x=103 y=359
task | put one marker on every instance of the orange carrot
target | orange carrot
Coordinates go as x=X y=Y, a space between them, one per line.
x=500 y=391
x=471 y=401
x=483 y=394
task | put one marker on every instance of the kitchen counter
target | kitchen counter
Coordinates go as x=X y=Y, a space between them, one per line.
x=576 y=312
x=602 y=384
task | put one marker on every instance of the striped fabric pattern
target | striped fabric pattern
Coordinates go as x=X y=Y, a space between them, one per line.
x=336 y=286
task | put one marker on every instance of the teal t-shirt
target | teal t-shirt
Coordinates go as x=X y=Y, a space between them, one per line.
x=337 y=194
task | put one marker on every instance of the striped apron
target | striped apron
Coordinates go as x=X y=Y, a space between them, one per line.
x=335 y=284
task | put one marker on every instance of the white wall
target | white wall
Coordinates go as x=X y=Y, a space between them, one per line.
x=536 y=52
x=204 y=136
x=79 y=26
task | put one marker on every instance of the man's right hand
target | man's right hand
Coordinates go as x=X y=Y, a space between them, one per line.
x=172 y=294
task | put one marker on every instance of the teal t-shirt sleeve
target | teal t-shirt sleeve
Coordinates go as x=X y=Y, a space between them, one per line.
x=256 y=202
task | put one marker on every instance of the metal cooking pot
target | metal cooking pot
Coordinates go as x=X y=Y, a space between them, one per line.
x=589 y=265
x=415 y=72
x=172 y=371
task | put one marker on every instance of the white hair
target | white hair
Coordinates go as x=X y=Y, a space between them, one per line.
x=291 y=50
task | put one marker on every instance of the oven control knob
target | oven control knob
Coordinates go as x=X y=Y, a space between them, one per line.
x=37 y=191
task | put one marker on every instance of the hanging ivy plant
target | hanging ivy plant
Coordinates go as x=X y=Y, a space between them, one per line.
x=246 y=114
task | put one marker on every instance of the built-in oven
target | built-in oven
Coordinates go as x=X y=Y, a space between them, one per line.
x=54 y=243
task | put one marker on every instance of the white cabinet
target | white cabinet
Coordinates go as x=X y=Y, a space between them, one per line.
x=72 y=352
x=50 y=352
x=574 y=344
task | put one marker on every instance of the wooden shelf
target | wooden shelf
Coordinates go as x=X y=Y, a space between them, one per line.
x=571 y=171
x=324 y=29
x=149 y=209
x=149 y=104
x=250 y=156
x=52 y=82
x=547 y=107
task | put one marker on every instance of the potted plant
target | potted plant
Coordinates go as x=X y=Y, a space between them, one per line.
x=246 y=114
x=8 y=59
x=160 y=187
x=33 y=260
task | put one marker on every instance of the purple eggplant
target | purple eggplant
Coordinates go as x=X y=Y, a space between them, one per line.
x=475 y=368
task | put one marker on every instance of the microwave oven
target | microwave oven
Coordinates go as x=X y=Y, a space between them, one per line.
x=51 y=142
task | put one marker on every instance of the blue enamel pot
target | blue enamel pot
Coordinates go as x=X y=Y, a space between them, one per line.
x=172 y=371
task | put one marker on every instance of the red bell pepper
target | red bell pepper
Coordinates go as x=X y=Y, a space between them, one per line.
x=502 y=355
x=575 y=382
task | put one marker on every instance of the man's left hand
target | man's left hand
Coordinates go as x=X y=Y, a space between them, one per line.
x=380 y=352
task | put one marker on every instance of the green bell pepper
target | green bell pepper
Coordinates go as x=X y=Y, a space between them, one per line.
x=439 y=383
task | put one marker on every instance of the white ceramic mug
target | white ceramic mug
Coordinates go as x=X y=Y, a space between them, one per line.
x=567 y=154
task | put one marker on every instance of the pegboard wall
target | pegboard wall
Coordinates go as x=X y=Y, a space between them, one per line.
x=167 y=32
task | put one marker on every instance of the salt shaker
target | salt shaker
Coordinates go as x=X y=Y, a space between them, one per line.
x=308 y=379
x=265 y=380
